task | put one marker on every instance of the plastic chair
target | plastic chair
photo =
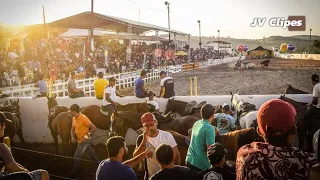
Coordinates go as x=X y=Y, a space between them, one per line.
x=8 y=79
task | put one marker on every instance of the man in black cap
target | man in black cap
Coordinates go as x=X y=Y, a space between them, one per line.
x=217 y=157
x=110 y=100
x=167 y=86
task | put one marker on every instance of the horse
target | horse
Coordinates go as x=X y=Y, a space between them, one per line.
x=231 y=141
x=265 y=63
x=184 y=108
x=292 y=90
x=60 y=122
x=246 y=112
x=302 y=127
x=123 y=120
x=102 y=121
x=13 y=128
x=12 y=110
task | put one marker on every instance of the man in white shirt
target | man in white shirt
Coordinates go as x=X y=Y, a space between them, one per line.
x=152 y=138
x=110 y=100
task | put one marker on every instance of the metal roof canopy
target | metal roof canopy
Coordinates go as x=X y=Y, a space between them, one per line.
x=83 y=21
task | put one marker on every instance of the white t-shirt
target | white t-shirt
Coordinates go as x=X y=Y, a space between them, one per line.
x=316 y=93
x=164 y=79
x=155 y=104
x=153 y=143
x=112 y=91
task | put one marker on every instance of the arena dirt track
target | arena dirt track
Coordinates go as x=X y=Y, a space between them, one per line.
x=220 y=80
x=217 y=80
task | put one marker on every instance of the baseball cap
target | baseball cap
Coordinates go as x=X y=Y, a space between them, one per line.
x=147 y=118
x=275 y=117
x=4 y=119
x=315 y=77
x=216 y=152
x=112 y=79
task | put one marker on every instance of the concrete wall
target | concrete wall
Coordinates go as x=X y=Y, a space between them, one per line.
x=301 y=56
x=35 y=112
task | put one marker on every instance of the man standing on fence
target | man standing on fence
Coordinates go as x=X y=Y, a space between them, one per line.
x=81 y=131
x=167 y=85
x=110 y=100
x=139 y=90
x=73 y=92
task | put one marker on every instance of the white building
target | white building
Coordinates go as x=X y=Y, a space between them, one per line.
x=220 y=45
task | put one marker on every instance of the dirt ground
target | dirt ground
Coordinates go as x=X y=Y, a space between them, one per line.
x=220 y=80
x=216 y=80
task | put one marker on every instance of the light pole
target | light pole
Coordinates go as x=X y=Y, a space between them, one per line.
x=200 y=43
x=168 y=6
x=91 y=21
x=309 y=42
x=218 y=41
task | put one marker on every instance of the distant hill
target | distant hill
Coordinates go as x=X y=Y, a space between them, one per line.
x=299 y=41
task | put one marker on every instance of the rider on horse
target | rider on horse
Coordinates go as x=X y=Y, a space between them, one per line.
x=110 y=100
x=316 y=98
x=313 y=109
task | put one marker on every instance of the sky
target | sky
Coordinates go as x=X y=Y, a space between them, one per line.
x=231 y=17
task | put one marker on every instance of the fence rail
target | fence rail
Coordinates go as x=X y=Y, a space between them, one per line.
x=125 y=80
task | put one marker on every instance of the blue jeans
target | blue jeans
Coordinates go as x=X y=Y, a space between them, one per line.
x=83 y=147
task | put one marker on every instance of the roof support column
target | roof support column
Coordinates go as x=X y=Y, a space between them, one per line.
x=129 y=45
x=157 y=51
x=189 y=58
x=174 y=42
x=118 y=36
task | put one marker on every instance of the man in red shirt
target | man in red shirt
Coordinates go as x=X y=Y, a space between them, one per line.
x=275 y=158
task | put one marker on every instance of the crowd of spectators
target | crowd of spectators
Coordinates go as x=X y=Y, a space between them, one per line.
x=56 y=57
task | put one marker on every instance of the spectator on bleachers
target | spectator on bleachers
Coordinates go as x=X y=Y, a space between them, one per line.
x=275 y=158
x=7 y=160
x=152 y=138
x=139 y=89
x=21 y=71
x=219 y=170
x=202 y=136
x=113 y=168
x=73 y=92
x=99 y=85
x=225 y=122
x=169 y=171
